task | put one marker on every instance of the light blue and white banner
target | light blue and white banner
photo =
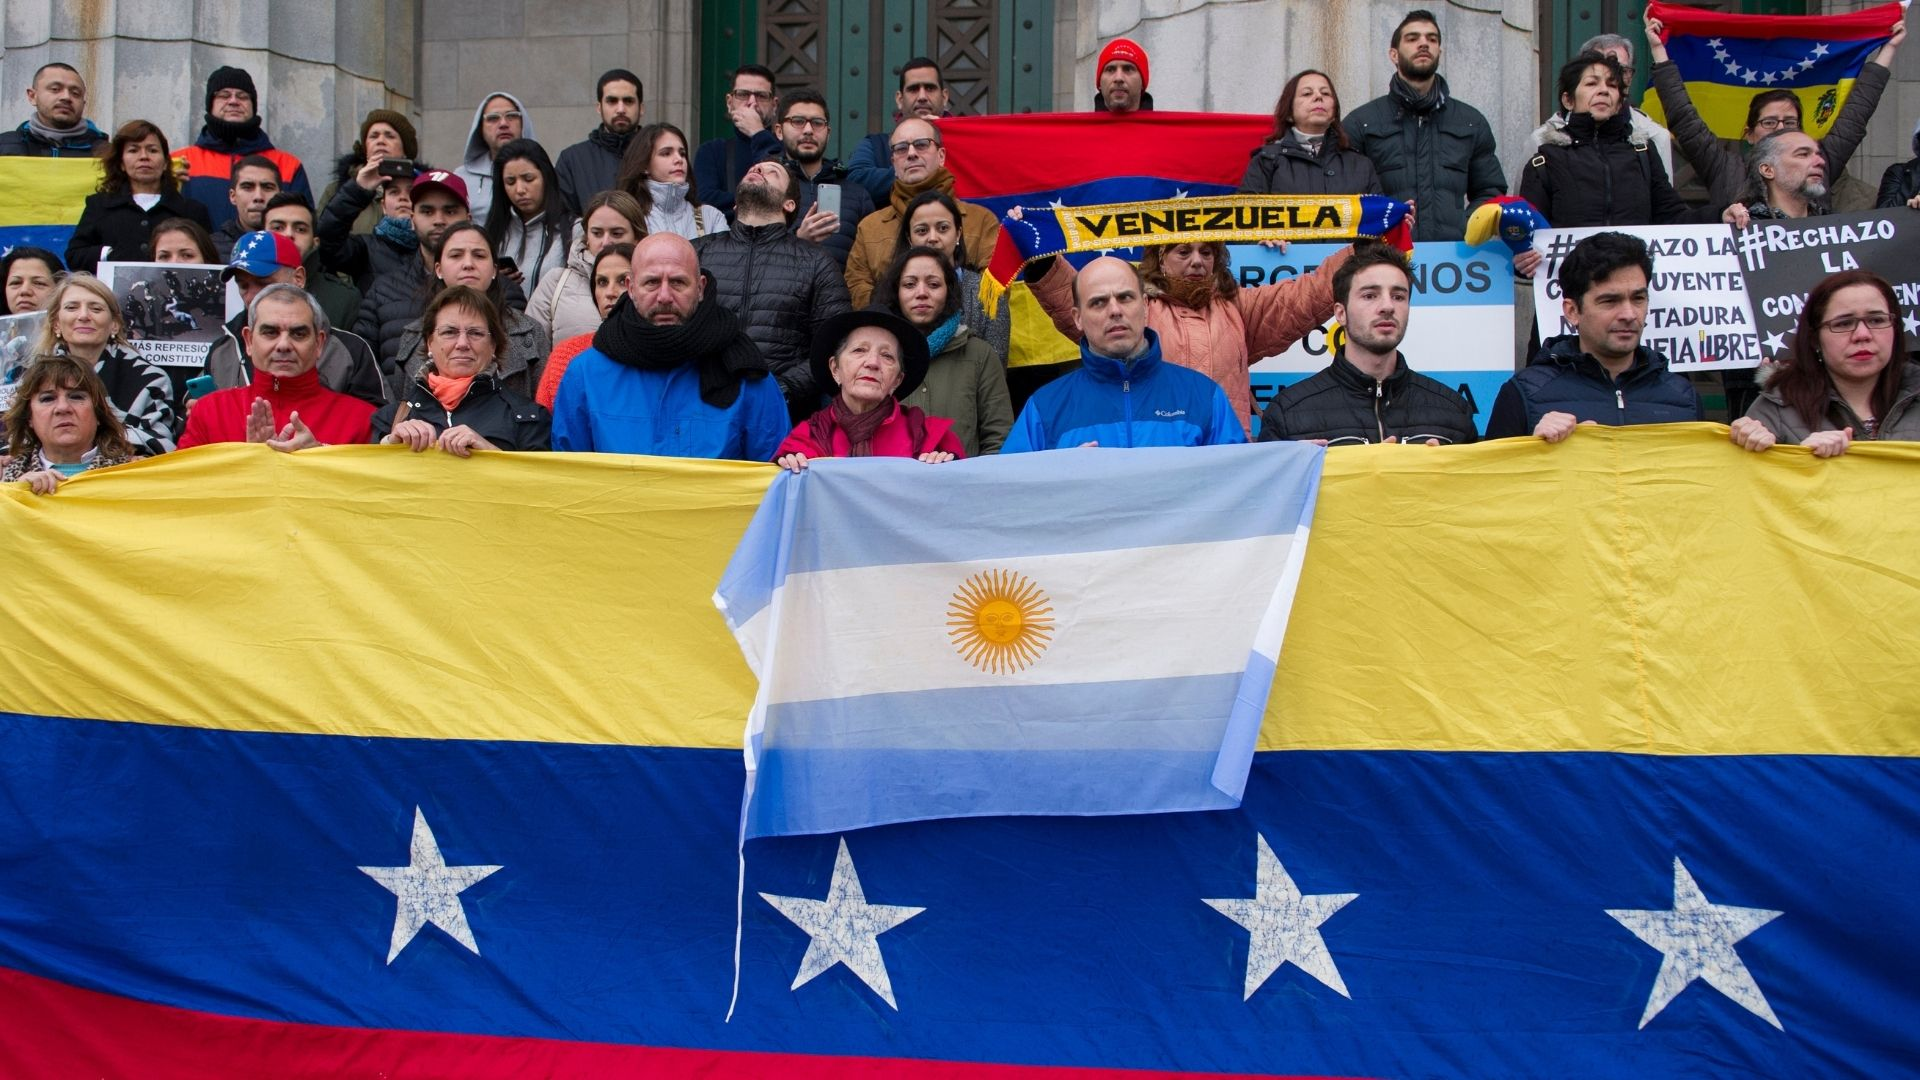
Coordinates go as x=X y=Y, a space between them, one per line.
x=1087 y=631
x=1459 y=331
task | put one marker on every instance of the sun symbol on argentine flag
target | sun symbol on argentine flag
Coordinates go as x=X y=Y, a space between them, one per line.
x=1000 y=621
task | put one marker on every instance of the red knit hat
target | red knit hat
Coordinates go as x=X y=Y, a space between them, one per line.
x=1123 y=49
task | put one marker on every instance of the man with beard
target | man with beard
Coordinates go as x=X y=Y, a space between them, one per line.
x=804 y=128
x=398 y=296
x=592 y=165
x=1600 y=374
x=670 y=371
x=232 y=132
x=1205 y=320
x=1427 y=147
x=923 y=94
x=1368 y=394
x=781 y=289
x=59 y=126
x=1120 y=78
x=255 y=181
x=1787 y=178
x=719 y=164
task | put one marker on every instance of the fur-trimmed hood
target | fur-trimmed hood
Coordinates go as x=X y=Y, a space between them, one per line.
x=1640 y=130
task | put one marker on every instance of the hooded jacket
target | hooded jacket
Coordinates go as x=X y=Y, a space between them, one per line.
x=518 y=370
x=1224 y=339
x=334 y=418
x=495 y=412
x=563 y=304
x=476 y=165
x=1644 y=131
x=1286 y=167
x=347 y=364
x=209 y=163
x=878 y=236
x=1138 y=402
x=24 y=142
x=1345 y=405
x=1901 y=422
x=590 y=166
x=1599 y=173
x=113 y=220
x=1565 y=379
x=672 y=213
x=782 y=289
x=967 y=384
x=1435 y=149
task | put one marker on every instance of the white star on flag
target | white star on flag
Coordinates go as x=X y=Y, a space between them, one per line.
x=1748 y=75
x=1733 y=69
x=1284 y=925
x=1714 y=43
x=1768 y=78
x=1819 y=50
x=844 y=928
x=1911 y=323
x=1721 y=55
x=1774 y=342
x=428 y=890
x=1806 y=65
x=1696 y=940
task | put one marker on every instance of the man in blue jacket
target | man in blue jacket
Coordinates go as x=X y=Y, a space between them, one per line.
x=1124 y=393
x=1600 y=374
x=671 y=371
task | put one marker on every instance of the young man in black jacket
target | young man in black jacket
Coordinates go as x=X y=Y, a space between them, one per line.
x=1368 y=394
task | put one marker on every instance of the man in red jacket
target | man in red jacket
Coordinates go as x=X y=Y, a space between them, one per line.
x=286 y=407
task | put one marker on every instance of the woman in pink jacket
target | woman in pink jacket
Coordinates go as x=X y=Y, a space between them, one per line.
x=876 y=358
x=1205 y=320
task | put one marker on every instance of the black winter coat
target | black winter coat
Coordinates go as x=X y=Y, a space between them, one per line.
x=1565 y=379
x=396 y=300
x=364 y=257
x=782 y=289
x=1286 y=168
x=1437 y=150
x=505 y=418
x=1594 y=174
x=1899 y=183
x=1344 y=405
x=590 y=167
x=114 y=220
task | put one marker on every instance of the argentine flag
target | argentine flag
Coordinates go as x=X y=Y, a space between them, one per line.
x=1077 y=632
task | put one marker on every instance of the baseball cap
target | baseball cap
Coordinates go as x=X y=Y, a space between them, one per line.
x=443 y=179
x=262 y=254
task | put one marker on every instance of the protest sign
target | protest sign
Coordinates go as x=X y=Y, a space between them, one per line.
x=1459 y=329
x=1698 y=315
x=173 y=311
x=16 y=348
x=1785 y=259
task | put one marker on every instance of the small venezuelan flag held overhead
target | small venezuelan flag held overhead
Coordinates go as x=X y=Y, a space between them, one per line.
x=1726 y=59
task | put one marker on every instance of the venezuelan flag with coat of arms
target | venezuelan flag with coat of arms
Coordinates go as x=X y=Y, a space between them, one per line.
x=1726 y=59
x=1591 y=760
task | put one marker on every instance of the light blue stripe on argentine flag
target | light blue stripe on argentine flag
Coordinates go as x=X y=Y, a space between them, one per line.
x=1075 y=632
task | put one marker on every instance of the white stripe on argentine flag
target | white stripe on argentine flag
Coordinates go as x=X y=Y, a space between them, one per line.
x=1076 y=632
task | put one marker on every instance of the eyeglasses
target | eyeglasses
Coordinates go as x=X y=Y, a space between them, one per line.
x=1778 y=123
x=496 y=117
x=1847 y=324
x=808 y=121
x=918 y=145
x=754 y=95
x=451 y=334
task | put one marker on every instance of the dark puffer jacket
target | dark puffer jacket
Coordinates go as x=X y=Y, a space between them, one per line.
x=364 y=257
x=1287 y=168
x=1344 y=405
x=1433 y=149
x=505 y=418
x=1588 y=173
x=1565 y=379
x=782 y=289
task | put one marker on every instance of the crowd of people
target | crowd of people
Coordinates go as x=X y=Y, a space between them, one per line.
x=750 y=297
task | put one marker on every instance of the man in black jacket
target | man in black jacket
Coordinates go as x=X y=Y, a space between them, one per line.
x=781 y=288
x=59 y=126
x=804 y=128
x=399 y=295
x=592 y=165
x=1600 y=374
x=1427 y=146
x=253 y=183
x=1368 y=394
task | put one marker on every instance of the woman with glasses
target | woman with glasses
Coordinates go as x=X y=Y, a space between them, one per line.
x=1846 y=375
x=464 y=257
x=1722 y=163
x=457 y=402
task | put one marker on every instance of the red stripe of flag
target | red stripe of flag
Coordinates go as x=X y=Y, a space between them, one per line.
x=1014 y=155
x=50 y=1029
x=1865 y=24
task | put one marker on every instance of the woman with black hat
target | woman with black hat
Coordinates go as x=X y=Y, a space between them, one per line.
x=875 y=358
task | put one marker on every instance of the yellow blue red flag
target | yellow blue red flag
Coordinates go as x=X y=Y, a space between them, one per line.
x=41 y=199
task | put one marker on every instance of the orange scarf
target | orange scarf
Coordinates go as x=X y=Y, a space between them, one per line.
x=450 y=392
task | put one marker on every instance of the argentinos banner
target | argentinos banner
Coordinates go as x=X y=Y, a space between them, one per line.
x=1698 y=314
x=377 y=792
x=1459 y=327
x=1726 y=59
x=41 y=200
x=1043 y=231
x=1784 y=260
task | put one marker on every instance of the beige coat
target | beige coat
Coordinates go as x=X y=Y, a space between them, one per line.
x=876 y=241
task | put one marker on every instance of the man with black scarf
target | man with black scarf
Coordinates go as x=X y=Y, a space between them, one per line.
x=592 y=165
x=1427 y=146
x=232 y=131
x=670 y=372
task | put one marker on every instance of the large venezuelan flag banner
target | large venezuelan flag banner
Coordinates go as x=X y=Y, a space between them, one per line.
x=1726 y=59
x=41 y=200
x=1589 y=760
x=1091 y=159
